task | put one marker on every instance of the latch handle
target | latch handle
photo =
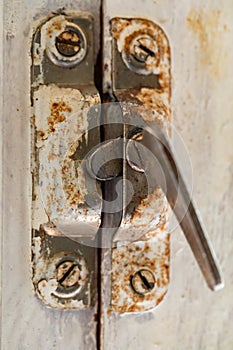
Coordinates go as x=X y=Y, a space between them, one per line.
x=154 y=139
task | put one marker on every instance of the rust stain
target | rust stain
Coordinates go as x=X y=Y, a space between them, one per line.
x=51 y=157
x=209 y=28
x=73 y=182
x=140 y=33
x=153 y=104
x=55 y=27
x=126 y=32
x=140 y=255
x=45 y=273
x=41 y=135
x=57 y=110
x=62 y=178
x=154 y=101
x=139 y=211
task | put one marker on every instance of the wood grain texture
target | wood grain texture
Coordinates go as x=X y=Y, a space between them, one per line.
x=191 y=316
x=27 y=323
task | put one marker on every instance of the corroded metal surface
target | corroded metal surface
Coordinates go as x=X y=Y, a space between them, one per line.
x=153 y=89
x=61 y=122
x=153 y=255
x=142 y=105
x=141 y=51
x=48 y=253
x=65 y=127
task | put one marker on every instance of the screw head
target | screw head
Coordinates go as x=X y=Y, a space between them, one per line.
x=138 y=52
x=68 y=274
x=68 y=47
x=143 y=282
x=68 y=43
x=144 y=48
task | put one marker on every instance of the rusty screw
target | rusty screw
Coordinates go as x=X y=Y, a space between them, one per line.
x=138 y=52
x=142 y=282
x=68 y=274
x=68 y=48
x=68 y=43
x=143 y=48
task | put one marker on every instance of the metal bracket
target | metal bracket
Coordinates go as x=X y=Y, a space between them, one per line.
x=142 y=83
x=65 y=127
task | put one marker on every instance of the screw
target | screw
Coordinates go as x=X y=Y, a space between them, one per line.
x=136 y=55
x=68 y=43
x=142 y=282
x=144 y=48
x=68 y=274
x=68 y=48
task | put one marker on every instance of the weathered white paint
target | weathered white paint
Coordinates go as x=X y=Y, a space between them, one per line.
x=27 y=323
x=191 y=317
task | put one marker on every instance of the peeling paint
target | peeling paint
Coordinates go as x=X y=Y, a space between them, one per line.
x=153 y=104
x=143 y=240
x=150 y=214
x=65 y=201
x=127 y=260
x=45 y=276
x=61 y=124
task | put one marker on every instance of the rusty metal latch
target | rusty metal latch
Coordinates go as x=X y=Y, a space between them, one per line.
x=104 y=171
x=66 y=201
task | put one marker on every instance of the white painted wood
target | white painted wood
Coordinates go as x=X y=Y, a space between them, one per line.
x=27 y=323
x=191 y=316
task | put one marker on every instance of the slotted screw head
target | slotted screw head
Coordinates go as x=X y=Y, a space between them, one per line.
x=143 y=282
x=68 y=47
x=68 y=274
x=68 y=43
x=143 y=48
x=138 y=52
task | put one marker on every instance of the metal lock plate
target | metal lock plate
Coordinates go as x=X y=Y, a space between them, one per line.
x=142 y=84
x=65 y=127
